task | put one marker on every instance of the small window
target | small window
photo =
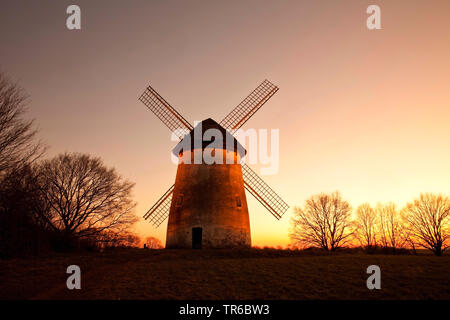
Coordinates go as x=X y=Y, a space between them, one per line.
x=238 y=201
x=180 y=200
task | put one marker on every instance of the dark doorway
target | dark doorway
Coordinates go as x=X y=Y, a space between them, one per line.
x=197 y=238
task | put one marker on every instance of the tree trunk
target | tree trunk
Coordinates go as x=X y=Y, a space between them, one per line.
x=438 y=249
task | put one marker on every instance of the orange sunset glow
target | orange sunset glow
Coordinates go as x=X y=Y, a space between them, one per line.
x=365 y=112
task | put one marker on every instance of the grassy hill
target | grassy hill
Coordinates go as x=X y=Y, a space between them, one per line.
x=225 y=274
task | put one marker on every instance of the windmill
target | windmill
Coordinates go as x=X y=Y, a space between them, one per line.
x=207 y=205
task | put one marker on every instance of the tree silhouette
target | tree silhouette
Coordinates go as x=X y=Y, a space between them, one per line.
x=20 y=232
x=17 y=136
x=324 y=222
x=427 y=220
x=390 y=229
x=153 y=243
x=84 y=197
x=365 y=226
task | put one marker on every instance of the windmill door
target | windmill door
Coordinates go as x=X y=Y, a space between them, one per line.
x=197 y=238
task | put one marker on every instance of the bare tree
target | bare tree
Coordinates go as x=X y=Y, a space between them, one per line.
x=365 y=226
x=17 y=135
x=390 y=226
x=111 y=239
x=132 y=240
x=84 y=197
x=153 y=243
x=323 y=222
x=408 y=238
x=427 y=220
x=19 y=200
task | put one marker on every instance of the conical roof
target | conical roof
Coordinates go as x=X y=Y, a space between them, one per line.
x=216 y=137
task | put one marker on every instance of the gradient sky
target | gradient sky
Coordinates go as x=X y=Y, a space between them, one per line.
x=363 y=112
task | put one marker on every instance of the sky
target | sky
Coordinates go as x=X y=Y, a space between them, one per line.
x=365 y=112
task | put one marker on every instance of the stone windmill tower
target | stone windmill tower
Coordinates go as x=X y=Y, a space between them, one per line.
x=207 y=205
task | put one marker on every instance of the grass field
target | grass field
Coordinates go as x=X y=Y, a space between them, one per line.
x=225 y=274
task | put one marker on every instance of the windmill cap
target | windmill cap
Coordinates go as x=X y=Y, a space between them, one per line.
x=216 y=137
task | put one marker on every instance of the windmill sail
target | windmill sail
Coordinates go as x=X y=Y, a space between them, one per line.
x=165 y=112
x=160 y=210
x=178 y=125
x=263 y=193
x=248 y=107
x=232 y=122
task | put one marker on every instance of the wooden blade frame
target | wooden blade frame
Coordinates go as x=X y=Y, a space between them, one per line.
x=232 y=122
x=178 y=125
x=263 y=193
x=160 y=210
x=249 y=106
x=165 y=112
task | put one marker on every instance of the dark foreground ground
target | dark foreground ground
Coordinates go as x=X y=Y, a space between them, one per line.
x=223 y=274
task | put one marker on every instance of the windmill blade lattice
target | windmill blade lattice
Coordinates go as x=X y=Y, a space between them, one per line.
x=160 y=210
x=263 y=193
x=165 y=112
x=248 y=107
